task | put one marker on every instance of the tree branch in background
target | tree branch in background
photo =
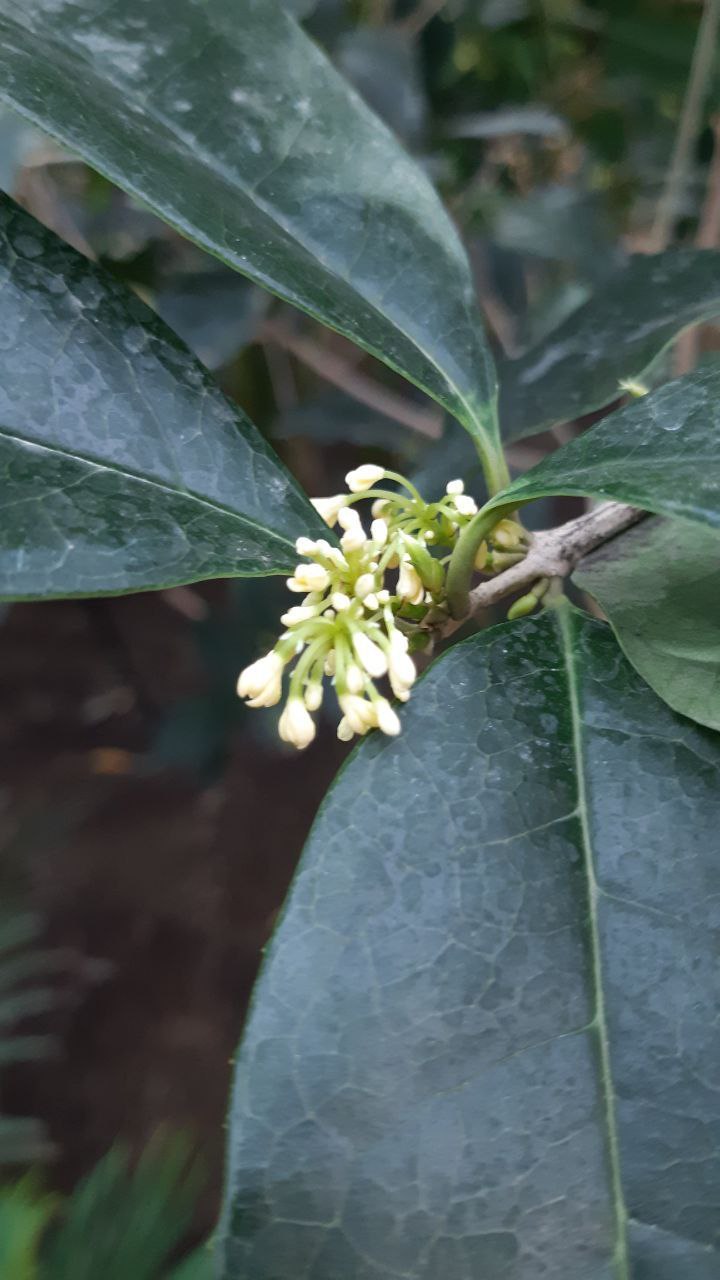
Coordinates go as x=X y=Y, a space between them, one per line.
x=341 y=373
x=688 y=126
x=708 y=234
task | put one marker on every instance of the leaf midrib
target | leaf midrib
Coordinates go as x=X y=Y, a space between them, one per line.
x=565 y=628
x=152 y=482
x=235 y=183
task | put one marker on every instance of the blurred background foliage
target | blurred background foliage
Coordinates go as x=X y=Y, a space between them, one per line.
x=149 y=828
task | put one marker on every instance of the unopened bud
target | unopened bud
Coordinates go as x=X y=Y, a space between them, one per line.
x=364 y=477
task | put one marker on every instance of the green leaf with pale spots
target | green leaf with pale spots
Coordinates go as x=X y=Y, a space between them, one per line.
x=486 y=1029
x=123 y=465
x=661 y=453
x=619 y=333
x=231 y=125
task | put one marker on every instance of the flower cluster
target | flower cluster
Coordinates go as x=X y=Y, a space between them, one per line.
x=365 y=603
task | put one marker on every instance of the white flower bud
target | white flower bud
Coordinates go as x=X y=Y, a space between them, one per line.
x=348 y=518
x=306 y=546
x=298 y=613
x=344 y=732
x=410 y=586
x=379 y=532
x=336 y=557
x=371 y=602
x=296 y=725
x=369 y=655
x=399 y=642
x=340 y=601
x=379 y=507
x=364 y=477
x=352 y=540
x=329 y=665
x=313 y=697
x=354 y=536
x=383 y=596
x=465 y=505
x=311 y=577
x=358 y=712
x=354 y=679
x=455 y=486
x=262 y=680
x=402 y=674
x=364 y=585
x=387 y=719
x=327 y=508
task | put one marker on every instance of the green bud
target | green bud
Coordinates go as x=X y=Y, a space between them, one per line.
x=522 y=607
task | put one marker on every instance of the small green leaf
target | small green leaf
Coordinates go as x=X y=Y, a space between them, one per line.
x=232 y=126
x=661 y=453
x=123 y=465
x=659 y=585
x=486 y=1027
x=618 y=334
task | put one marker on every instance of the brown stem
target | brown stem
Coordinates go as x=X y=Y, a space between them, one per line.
x=553 y=553
x=340 y=373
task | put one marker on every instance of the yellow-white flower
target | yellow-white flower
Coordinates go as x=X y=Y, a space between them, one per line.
x=347 y=626
x=364 y=585
x=354 y=679
x=401 y=667
x=262 y=681
x=313 y=696
x=327 y=508
x=464 y=504
x=309 y=577
x=296 y=725
x=410 y=586
x=358 y=712
x=364 y=477
x=298 y=613
x=354 y=536
x=379 y=531
x=387 y=719
x=369 y=655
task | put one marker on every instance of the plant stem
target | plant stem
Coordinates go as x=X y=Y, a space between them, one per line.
x=554 y=553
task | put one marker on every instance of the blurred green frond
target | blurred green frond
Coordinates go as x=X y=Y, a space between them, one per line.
x=123 y=1223
x=22 y=1141
x=24 y=1213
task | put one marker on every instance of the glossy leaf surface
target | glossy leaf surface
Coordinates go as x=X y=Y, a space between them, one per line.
x=659 y=585
x=233 y=126
x=491 y=998
x=617 y=334
x=123 y=465
x=661 y=453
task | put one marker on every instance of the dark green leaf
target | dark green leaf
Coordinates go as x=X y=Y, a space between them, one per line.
x=123 y=465
x=384 y=66
x=617 y=334
x=492 y=996
x=661 y=453
x=233 y=126
x=659 y=585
